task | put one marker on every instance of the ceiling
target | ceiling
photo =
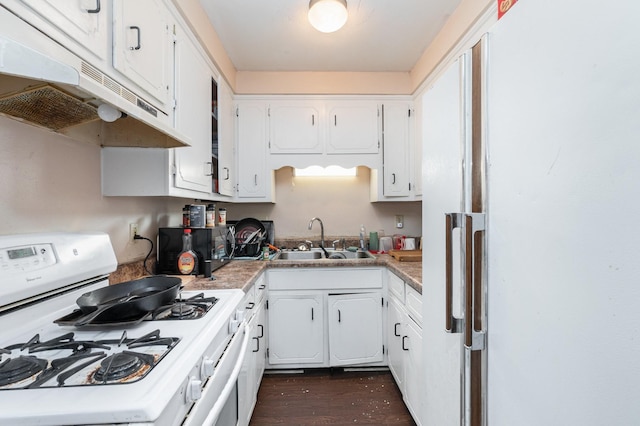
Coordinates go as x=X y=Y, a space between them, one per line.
x=275 y=35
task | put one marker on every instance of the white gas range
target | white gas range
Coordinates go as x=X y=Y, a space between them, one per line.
x=158 y=369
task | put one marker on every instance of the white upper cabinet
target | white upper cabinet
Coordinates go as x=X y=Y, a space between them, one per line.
x=203 y=112
x=317 y=126
x=396 y=172
x=223 y=111
x=393 y=181
x=255 y=181
x=295 y=128
x=84 y=22
x=142 y=46
x=194 y=167
x=352 y=128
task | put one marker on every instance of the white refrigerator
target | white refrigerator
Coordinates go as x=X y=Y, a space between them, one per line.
x=542 y=170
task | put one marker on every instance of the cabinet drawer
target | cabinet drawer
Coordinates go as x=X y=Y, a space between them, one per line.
x=396 y=286
x=414 y=304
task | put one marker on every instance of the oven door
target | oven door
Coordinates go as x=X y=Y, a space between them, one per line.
x=218 y=404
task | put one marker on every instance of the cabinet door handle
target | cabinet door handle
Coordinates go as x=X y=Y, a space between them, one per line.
x=395 y=329
x=257 y=349
x=393 y=178
x=251 y=305
x=311 y=314
x=335 y=119
x=261 y=331
x=262 y=287
x=137 y=29
x=96 y=10
x=404 y=348
x=255 y=179
x=339 y=316
x=210 y=171
x=313 y=119
x=226 y=169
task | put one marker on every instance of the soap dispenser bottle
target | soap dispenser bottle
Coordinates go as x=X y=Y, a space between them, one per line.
x=362 y=234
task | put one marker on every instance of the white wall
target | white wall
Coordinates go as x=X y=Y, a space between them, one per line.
x=49 y=182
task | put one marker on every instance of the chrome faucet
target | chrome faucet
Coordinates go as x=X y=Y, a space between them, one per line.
x=321 y=229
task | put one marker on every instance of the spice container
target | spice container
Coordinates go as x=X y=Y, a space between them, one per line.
x=211 y=215
x=186 y=216
x=197 y=216
x=222 y=217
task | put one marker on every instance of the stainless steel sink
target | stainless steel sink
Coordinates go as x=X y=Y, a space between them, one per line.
x=298 y=255
x=318 y=254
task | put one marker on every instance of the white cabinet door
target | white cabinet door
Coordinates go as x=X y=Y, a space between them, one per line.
x=396 y=319
x=226 y=140
x=355 y=328
x=84 y=21
x=414 y=383
x=142 y=46
x=353 y=128
x=260 y=350
x=253 y=180
x=294 y=128
x=396 y=173
x=296 y=328
x=193 y=166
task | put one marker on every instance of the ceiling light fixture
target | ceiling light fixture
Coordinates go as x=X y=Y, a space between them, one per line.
x=328 y=16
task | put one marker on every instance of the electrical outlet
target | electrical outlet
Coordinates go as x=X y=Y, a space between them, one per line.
x=399 y=221
x=133 y=231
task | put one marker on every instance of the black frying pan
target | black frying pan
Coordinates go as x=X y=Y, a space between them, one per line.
x=128 y=299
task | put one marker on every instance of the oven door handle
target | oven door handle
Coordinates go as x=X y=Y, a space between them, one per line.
x=213 y=415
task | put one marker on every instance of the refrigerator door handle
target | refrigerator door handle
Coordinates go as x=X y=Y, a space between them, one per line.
x=452 y=324
x=474 y=339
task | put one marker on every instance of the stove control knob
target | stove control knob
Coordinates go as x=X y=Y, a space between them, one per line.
x=207 y=368
x=194 y=390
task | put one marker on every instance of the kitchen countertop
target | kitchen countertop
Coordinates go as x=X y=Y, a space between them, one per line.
x=243 y=274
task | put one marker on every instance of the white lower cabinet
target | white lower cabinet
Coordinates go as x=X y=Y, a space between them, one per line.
x=355 y=328
x=395 y=327
x=296 y=328
x=325 y=318
x=255 y=359
x=404 y=329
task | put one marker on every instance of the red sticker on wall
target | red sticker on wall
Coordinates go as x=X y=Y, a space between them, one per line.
x=504 y=6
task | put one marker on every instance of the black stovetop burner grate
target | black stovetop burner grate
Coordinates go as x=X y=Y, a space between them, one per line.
x=194 y=307
x=64 y=361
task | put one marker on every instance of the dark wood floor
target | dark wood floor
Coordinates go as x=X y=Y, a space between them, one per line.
x=320 y=397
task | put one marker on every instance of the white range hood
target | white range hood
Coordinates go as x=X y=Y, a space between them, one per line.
x=45 y=84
